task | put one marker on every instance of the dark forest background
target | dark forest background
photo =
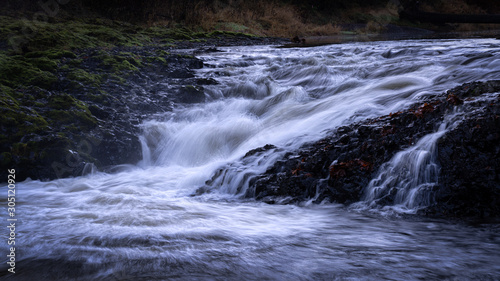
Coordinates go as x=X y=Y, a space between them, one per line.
x=278 y=17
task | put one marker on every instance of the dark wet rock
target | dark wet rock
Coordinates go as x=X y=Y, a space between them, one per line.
x=180 y=73
x=259 y=150
x=207 y=81
x=225 y=175
x=338 y=167
x=341 y=164
x=470 y=167
x=191 y=94
x=214 y=42
x=207 y=50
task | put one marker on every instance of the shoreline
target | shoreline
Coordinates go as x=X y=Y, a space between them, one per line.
x=409 y=34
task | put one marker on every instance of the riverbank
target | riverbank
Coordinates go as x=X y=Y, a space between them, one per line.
x=390 y=33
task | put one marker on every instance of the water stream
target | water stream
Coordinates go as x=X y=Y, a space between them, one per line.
x=144 y=223
x=411 y=175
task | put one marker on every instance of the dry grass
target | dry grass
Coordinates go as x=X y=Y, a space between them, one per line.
x=276 y=18
x=266 y=18
x=477 y=27
x=452 y=7
x=460 y=7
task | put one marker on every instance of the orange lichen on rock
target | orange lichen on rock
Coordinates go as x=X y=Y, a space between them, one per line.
x=453 y=99
x=423 y=109
x=342 y=169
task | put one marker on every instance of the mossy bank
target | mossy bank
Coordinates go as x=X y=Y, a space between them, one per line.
x=74 y=92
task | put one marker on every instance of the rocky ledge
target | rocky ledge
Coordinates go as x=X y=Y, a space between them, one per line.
x=89 y=114
x=67 y=112
x=338 y=167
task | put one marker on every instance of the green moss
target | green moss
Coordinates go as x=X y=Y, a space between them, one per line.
x=60 y=37
x=17 y=70
x=56 y=40
x=19 y=148
x=163 y=60
x=33 y=151
x=7 y=97
x=218 y=33
x=96 y=98
x=126 y=54
x=156 y=59
x=180 y=34
x=62 y=101
x=118 y=79
x=123 y=56
x=66 y=110
x=65 y=101
x=119 y=63
x=72 y=118
x=132 y=58
x=65 y=68
x=107 y=60
x=126 y=65
x=231 y=26
x=104 y=33
x=101 y=97
x=18 y=120
x=44 y=63
x=85 y=77
x=23 y=120
x=156 y=31
x=170 y=33
x=5 y=159
x=198 y=40
x=161 y=52
x=76 y=62
x=51 y=54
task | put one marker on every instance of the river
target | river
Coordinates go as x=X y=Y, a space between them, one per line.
x=144 y=222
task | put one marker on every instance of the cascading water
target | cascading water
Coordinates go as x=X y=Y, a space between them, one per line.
x=409 y=178
x=144 y=223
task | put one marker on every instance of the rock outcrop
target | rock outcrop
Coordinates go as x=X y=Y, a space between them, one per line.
x=338 y=167
x=90 y=115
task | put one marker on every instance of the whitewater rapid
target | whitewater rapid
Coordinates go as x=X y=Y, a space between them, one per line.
x=145 y=222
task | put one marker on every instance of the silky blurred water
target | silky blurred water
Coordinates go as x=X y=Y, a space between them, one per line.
x=145 y=223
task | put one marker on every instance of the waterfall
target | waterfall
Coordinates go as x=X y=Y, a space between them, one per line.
x=409 y=179
x=143 y=222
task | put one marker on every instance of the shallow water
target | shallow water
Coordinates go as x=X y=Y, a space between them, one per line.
x=144 y=223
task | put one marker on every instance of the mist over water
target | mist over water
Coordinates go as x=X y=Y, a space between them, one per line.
x=144 y=223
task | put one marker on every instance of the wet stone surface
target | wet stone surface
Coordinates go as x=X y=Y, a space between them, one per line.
x=338 y=167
